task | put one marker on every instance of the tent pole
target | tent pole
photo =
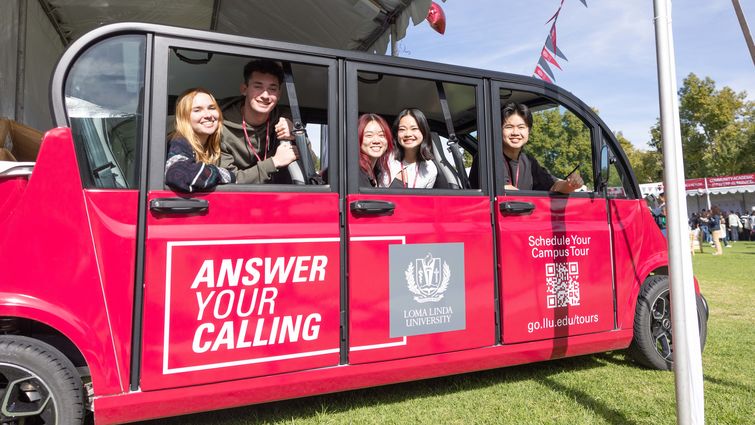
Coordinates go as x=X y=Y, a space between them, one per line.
x=745 y=29
x=707 y=192
x=688 y=369
x=394 y=36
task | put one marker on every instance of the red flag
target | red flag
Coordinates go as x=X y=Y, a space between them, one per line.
x=553 y=37
x=547 y=56
x=555 y=15
x=436 y=18
x=540 y=73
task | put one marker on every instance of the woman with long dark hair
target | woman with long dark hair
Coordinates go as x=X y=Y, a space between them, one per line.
x=410 y=164
x=374 y=139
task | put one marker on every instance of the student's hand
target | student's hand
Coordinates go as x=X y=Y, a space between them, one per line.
x=284 y=155
x=284 y=129
x=510 y=187
x=574 y=181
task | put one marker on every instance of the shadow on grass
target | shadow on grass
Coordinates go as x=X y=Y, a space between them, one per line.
x=312 y=407
x=612 y=416
x=725 y=383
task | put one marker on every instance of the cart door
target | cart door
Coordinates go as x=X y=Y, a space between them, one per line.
x=244 y=280
x=554 y=250
x=420 y=263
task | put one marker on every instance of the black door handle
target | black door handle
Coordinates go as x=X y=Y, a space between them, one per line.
x=372 y=207
x=178 y=205
x=517 y=208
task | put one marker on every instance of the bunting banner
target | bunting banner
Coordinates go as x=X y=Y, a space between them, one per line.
x=543 y=76
x=545 y=54
x=550 y=48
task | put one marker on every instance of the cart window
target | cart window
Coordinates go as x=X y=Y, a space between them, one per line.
x=103 y=94
x=222 y=75
x=388 y=95
x=559 y=139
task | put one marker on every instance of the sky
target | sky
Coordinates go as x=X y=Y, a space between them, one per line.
x=610 y=46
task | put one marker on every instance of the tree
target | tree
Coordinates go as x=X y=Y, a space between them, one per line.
x=561 y=141
x=647 y=165
x=717 y=129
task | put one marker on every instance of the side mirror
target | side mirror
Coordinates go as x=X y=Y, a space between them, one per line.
x=605 y=163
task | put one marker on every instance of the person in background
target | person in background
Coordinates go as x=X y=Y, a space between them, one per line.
x=715 y=226
x=705 y=226
x=374 y=139
x=734 y=225
x=410 y=164
x=194 y=146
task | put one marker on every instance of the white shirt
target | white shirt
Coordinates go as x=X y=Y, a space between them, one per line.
x=419 y=175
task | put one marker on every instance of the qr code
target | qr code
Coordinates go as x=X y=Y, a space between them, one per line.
x=562 y=284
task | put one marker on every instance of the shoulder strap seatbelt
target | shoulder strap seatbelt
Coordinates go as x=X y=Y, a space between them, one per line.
x=453 y=142
x=305 y=158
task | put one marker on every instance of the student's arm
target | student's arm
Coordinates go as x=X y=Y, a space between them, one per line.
x=184 y=174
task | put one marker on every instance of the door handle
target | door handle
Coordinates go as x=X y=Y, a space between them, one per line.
x=516 y=208
x=372 y=207
x=178 y=205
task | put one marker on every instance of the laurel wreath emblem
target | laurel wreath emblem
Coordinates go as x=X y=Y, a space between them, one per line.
x=421 y=298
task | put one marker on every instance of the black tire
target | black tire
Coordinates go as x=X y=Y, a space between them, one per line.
x=652 y=344
x=38 y=384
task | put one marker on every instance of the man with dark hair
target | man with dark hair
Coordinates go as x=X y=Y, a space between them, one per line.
x=522 y=172
x=251 y=146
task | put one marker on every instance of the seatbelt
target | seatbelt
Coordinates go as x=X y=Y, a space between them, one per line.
x=453 y=141
x=299 y=132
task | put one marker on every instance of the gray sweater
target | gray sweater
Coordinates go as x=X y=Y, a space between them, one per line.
x=238 y=158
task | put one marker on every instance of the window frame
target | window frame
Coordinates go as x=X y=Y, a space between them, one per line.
x=562 y=98
x=61 y=111
x=353 y=67
x=158 y=119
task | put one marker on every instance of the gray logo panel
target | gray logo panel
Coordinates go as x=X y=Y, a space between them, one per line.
x=426 y=288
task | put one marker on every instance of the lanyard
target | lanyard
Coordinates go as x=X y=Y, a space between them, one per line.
x=519 y=165
x=405 y=172
x=249 y=142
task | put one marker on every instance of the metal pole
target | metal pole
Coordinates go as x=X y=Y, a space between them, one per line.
x=394 y=36
x=745 y=29
x=21 y=62
x=688 y=369
x=707 y=192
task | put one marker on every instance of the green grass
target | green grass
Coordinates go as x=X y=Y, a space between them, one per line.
x=598 y=389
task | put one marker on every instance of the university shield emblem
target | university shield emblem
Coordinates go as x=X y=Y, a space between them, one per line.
x=427 y=279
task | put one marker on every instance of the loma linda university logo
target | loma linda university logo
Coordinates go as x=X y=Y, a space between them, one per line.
x=428 y=281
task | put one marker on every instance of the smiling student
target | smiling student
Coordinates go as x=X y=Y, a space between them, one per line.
x=523 y=172
x=374 y=139
x=251 y=146
x=410 y=164
x=194 y=146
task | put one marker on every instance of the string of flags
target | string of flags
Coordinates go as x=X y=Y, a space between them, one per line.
x=543 y=67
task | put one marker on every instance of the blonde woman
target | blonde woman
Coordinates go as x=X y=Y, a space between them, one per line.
x=194 y=147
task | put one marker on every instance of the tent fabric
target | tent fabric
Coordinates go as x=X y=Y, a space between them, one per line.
x=342 y=24
x=722 y=190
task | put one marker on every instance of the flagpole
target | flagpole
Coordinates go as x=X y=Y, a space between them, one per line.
x=688 y=371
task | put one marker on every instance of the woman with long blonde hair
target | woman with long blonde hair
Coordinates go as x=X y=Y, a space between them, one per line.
x=194 y=146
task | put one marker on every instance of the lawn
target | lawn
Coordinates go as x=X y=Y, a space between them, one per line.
x=598 y=389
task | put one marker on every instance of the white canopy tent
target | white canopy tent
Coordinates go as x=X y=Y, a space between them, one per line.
x=34 y=33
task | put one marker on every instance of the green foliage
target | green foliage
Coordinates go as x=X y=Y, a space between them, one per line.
x=559 y=140
x=647 y=165
x=717 y=129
